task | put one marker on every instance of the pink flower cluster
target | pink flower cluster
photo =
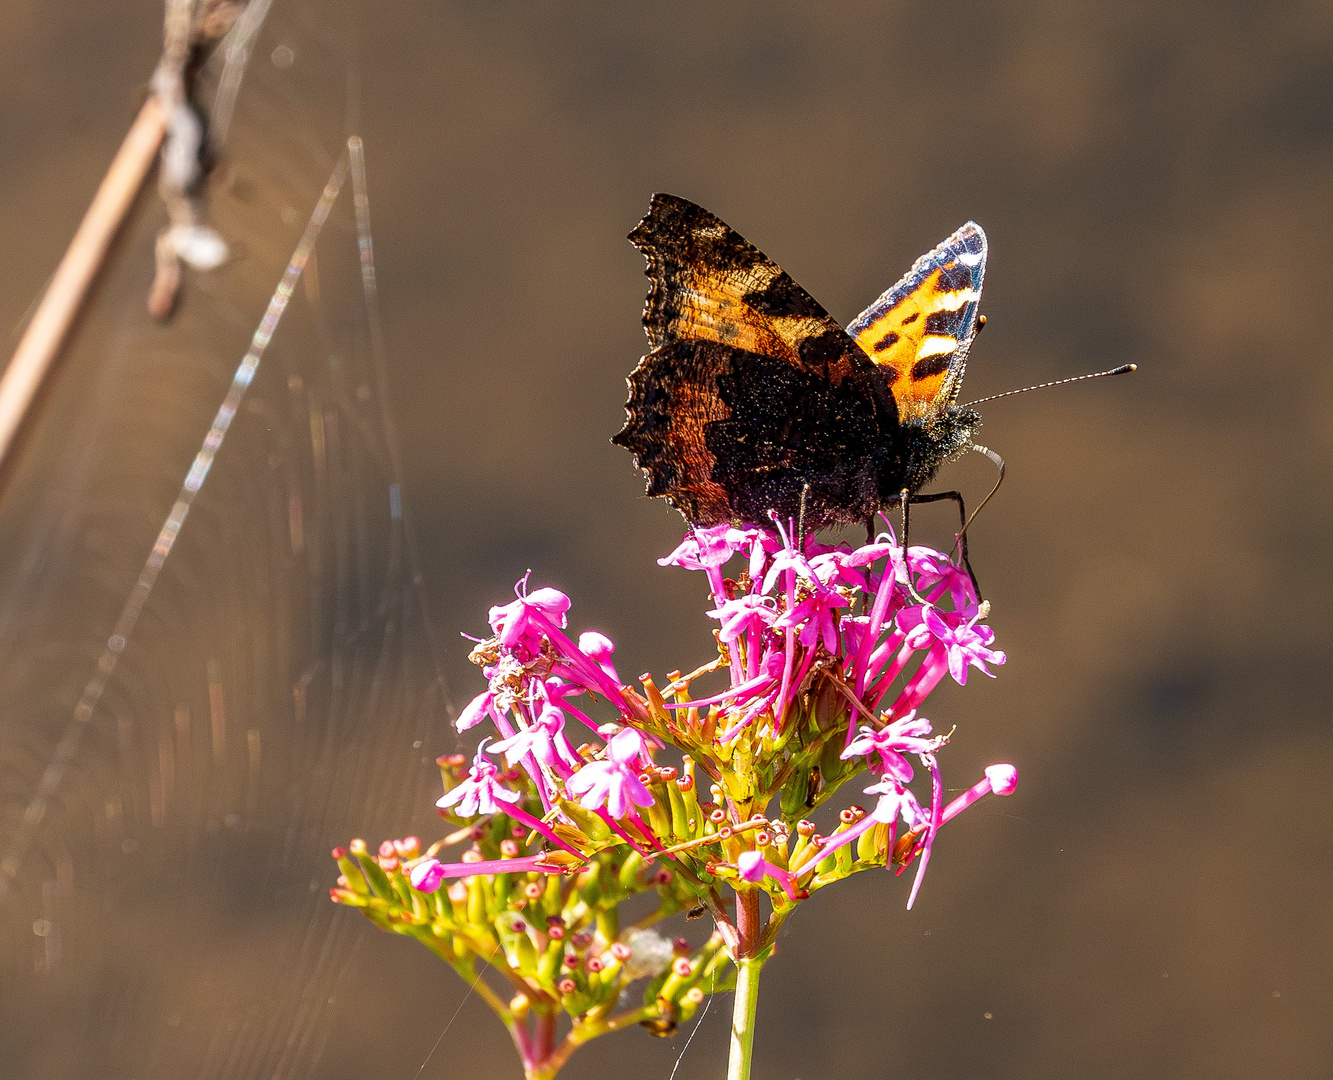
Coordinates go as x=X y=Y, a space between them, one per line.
x=793 y=617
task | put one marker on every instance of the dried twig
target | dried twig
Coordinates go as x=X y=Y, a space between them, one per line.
x=189 y=25
x=50 y=322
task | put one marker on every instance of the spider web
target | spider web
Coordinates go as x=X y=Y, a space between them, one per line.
x=182 y=740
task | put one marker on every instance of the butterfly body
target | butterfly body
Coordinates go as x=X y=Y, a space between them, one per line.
x=753 y=401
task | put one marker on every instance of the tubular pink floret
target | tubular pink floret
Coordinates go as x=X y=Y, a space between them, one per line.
x=999 y=779
x=752 y=866
x=440 y=871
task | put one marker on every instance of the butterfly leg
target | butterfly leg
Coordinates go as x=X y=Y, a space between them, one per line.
x=905 y=499
x=960 y=541
x=800 y=518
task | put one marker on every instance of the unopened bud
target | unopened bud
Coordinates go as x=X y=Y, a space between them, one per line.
x=532 y=890
x=680 y=947
x=566 y=986
x=693 y=996
x=763 y=838
x=682 y=967
x=805 y=828
x=357 y=846
x=667 y=773
x=572 y=960
x=408 y=847
x=851 y=815
x=594 y=964
x=621 y=951
x=718 y=816
x=508 y=848
x=386 y=850
x=458 y=892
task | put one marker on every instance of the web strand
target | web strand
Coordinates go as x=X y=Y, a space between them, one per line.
x=68 y=746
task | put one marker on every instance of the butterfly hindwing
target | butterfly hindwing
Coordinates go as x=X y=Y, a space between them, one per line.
x=753 y=397
x=920 y=330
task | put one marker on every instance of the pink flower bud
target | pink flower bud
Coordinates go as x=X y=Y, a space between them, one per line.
x=427 y=875
x=1003 y=779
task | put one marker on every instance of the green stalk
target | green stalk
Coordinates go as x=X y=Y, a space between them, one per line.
x=742 y=1018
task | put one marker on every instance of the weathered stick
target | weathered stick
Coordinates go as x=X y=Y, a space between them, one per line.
x=51 y=321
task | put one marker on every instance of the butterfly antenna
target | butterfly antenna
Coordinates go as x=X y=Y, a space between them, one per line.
x=999 y=465
x=1123 y=369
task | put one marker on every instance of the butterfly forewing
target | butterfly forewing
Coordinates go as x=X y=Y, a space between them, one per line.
x=919 y=331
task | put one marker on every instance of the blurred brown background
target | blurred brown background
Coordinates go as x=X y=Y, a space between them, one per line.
x=1154 y=180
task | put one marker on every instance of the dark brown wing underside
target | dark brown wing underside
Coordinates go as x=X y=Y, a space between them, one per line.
x=753 y=398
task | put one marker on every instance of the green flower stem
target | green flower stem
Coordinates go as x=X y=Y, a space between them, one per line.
x=743 y=1016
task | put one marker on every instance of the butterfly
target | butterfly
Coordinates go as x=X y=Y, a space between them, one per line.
x=753 y=403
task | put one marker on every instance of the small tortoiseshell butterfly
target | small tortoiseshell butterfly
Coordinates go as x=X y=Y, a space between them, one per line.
x=753 y=401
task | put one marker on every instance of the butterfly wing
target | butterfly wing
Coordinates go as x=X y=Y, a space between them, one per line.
x=920 y=330
x=751 y=390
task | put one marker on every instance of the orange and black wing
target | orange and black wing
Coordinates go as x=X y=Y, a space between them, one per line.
x=752 y=397
x=920 y=330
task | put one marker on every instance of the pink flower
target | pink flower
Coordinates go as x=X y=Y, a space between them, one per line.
x=613 y=781
x=513 y=624
x=783 y=560
x=895 y=800
x=965 y=643
x=709 y=547
x=749 y=612
x=814 y=617
x=544 y=740
x=907 y=735
x=933 y=569
x=475 y=711
x=481 y=792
